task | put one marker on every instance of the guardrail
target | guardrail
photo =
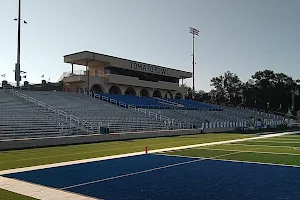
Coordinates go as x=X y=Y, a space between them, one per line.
x=60 y=113
x=74 y=119
x=122 y=104
x=41 y=104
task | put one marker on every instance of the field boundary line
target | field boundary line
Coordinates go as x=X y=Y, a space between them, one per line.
x=24 y=169
x=221 y=142
x=276 y=141
x=252 y=151
x=225 y=160
x=86 y=152
x=133 y=173
x=259 y=145
x=254 y=162
x=137 y=153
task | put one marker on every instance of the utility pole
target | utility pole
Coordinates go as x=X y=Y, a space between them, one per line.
x=194 y=32
x=17 y=66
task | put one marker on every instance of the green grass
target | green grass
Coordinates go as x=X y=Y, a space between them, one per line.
x=265 y=158
x=6 y=195
x=277 y=150
x=34 y=157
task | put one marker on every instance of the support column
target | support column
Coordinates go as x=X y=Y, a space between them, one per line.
x=72 y=69
x=88 y=75
x=17 y=67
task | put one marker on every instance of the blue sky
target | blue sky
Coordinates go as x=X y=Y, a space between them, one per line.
x=237 y=35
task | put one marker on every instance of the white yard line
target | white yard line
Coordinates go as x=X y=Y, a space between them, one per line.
x=237 y=161
x=277 y=141
x=252 y=162
x=68 y=163
x=259 y=145
x=38 y=191
x=131 y=174
x=252 y=151
x=220 y=142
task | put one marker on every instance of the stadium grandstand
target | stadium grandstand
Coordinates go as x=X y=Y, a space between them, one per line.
x=116 y=95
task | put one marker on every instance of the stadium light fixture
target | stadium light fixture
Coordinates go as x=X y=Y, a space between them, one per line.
x=194 y=32
x=17 y=66
x=295 y=92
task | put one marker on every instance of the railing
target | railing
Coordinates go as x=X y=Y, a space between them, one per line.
x=41 y=104
x=63 y=114
x=122 y=104
x=51 y=108
x=168 y=123
x=59 y=113
x=74 y=119
x=87 y=125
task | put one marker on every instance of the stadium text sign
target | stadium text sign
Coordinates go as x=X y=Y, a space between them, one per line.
x=149 y=68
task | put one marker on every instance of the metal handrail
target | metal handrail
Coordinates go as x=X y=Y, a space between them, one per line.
x=63 y=113
x=33 y=100
x=75 y=119
x=51 y=108
x=41 y=104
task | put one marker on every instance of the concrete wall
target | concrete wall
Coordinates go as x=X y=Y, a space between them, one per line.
x=69 y=140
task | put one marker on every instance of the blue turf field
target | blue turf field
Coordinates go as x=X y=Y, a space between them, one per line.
x=169 y=177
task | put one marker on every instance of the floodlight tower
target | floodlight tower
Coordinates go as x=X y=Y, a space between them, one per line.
x=295 y=92
x=194 y=32
x=17 y=67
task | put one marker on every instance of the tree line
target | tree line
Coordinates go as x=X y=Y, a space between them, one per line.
x=265 y=90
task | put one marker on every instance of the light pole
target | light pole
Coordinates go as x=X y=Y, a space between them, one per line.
x=294 y=91
x=194 y=32
x=17 y=67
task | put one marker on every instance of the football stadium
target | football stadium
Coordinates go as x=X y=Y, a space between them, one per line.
x=123 y=129
x=115 y=128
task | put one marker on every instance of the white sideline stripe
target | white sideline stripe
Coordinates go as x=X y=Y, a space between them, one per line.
x=68 y=163
x=277 y=141
x=237 y=161
x=131 y=174
x=85 y=152
x=260 y=145
x=137 y=153
x=220 y=142
x=253 y=162
x=38 y=191
x=253 y=151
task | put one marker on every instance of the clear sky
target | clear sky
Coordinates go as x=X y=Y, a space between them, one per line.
x=237 y=35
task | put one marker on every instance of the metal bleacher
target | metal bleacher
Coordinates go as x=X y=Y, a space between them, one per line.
x=19 y=119
x=50 y=114
x=96 y=114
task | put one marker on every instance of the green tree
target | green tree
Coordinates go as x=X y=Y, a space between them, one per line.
x=228 y=88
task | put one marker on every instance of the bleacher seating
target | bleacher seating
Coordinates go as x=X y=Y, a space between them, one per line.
x=194 y=105
x=159 y=103
x=98 y=113
x=21 y=120
x=139 y=102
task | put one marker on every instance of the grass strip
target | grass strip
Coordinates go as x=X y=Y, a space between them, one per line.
x=7 y=195
x=265 y=158
x=41 y=156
